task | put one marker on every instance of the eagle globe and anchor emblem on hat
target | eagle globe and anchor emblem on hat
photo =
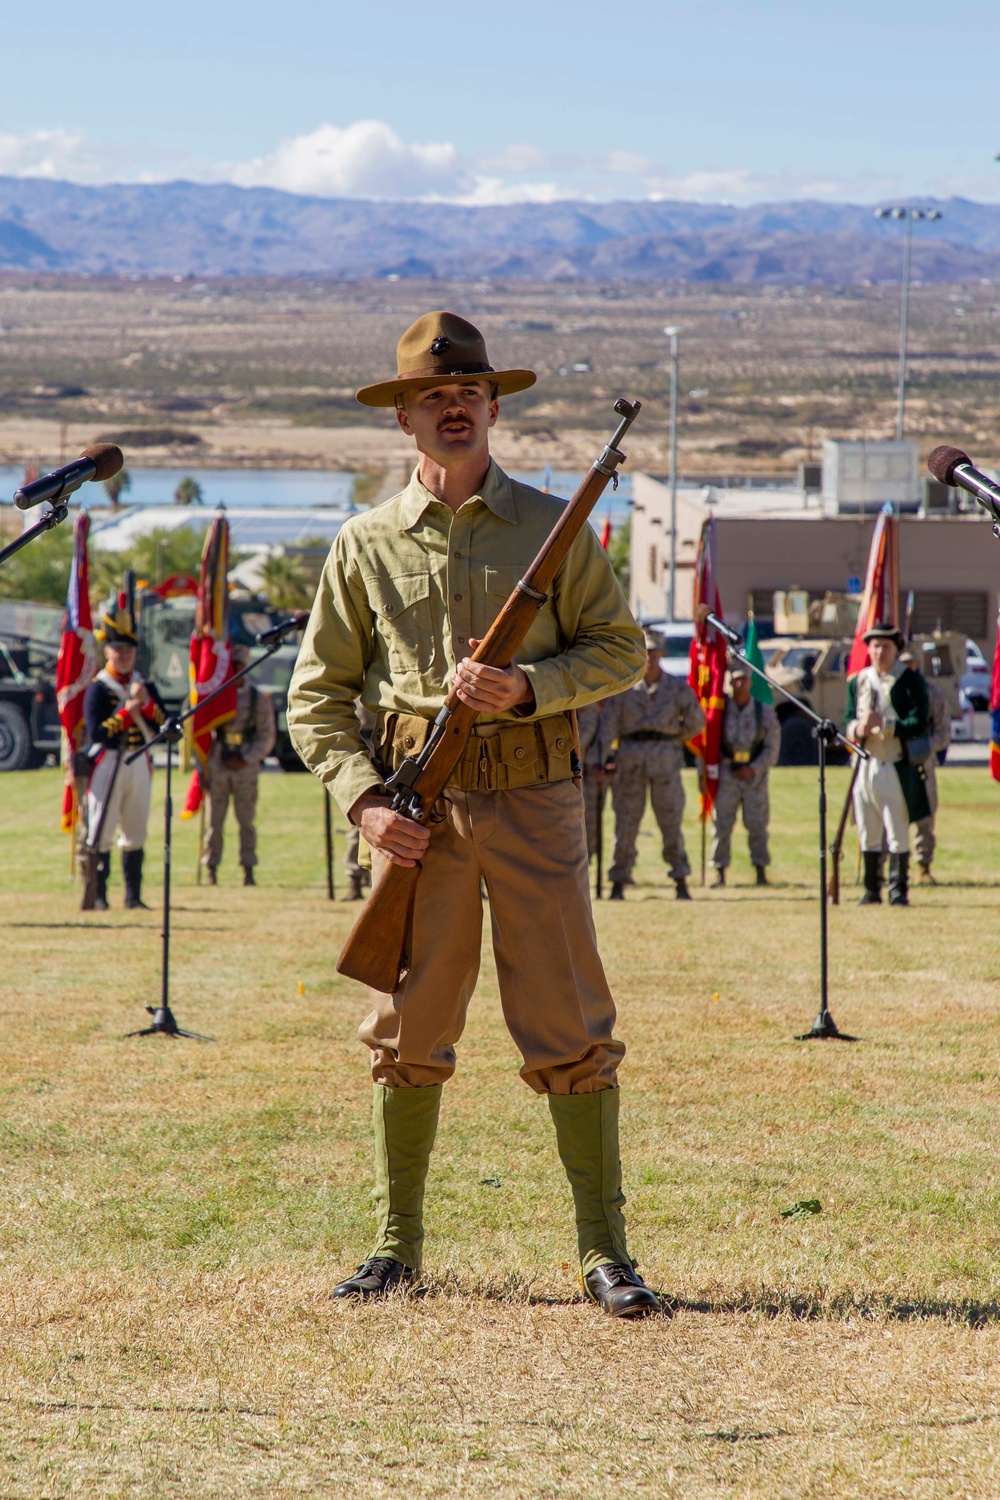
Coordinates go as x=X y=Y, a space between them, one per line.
x=439 y=349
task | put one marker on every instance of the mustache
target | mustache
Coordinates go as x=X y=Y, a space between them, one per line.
x=453 y=422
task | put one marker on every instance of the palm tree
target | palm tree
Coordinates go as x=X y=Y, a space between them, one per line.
x=117 y=485
x=188 y=492
x=285 y=583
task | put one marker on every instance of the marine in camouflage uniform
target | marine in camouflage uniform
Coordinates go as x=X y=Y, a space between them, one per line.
x=239 y=747
x=650 y=723
x=751 y=744
x=924 y=839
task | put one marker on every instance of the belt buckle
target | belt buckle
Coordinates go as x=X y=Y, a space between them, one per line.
x=741 y=757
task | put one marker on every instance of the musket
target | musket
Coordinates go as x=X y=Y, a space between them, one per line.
x=837 y=847
x=375 y=951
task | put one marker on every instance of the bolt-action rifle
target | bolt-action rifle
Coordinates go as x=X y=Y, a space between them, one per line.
x=375 y=951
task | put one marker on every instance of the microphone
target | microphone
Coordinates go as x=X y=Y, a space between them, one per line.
x=952 y=466
x=731 y=635
x=285 y=628
x=99 y=461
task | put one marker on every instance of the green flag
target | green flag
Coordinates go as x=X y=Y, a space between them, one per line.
x=758 y=687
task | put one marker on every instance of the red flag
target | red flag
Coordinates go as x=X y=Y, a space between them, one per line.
x=880 y=600
x=77 y=663
x=210 y=664
x=606 y=533
x=708 y=664
x=995 y=709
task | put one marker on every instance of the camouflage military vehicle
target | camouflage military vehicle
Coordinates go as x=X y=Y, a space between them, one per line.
x=165 y=627
x=29 y=718
x=811 y=662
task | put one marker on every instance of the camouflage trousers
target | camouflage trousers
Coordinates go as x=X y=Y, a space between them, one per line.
x=241 y=786
x=752 y=796
x=924 y=839
x=656 y=765
x=592 y=803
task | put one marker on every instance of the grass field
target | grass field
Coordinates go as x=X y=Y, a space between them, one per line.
x=173 y=1215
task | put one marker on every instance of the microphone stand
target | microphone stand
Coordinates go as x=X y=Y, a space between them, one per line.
x=169 y=735
x=50 y=518
x=824 y=1028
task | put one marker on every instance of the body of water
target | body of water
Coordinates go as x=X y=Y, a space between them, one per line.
x=267 y=489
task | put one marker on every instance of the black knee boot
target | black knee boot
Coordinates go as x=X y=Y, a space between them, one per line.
x=132 y=871
x=873 y=879
x=899 y=880
x=103 y=868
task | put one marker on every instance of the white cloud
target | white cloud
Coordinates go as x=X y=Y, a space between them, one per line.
x=368 y=159
x=363 y=160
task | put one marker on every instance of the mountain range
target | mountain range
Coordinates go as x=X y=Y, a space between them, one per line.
x=193 y=229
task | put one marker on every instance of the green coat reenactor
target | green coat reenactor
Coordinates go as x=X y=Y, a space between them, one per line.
x=409 y=589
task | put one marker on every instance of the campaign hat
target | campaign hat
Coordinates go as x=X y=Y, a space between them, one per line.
x=439 y=349
x=738 y=667
x=654 y=640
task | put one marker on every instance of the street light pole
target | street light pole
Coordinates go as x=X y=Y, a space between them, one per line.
x=909 y=217
x=671 y=334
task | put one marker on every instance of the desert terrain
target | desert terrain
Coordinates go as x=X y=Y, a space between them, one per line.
x=261 y=372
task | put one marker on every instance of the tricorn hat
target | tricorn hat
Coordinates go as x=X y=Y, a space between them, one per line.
x=439 y=349
x=884 y=630
x=117 y=626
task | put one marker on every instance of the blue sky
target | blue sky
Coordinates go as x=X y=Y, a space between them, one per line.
x=716 y=101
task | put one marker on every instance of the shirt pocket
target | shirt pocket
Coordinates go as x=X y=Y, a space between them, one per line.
x=402 y=610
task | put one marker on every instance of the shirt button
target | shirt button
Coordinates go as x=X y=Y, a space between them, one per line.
x=408 y=742
x=458 y=598
x=519 y=753
x=456 y=554
x=388 y=609
x=560 y=743
x=461 y=640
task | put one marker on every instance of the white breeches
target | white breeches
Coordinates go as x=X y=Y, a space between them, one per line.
x=880 y=808
x=129 y=807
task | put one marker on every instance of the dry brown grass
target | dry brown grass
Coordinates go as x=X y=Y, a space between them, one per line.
x=172 y=1215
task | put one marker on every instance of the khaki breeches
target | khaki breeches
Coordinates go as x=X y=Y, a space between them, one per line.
x=529 y=847
x=241 y=786
x=129 y=806
x=752 y=796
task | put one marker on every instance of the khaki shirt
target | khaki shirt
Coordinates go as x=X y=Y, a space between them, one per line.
x=409 y=584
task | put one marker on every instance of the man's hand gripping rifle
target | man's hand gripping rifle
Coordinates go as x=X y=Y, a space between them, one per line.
x=375 y=951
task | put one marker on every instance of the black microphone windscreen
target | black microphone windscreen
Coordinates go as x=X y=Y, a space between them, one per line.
x=107 y=457
x=944 y=460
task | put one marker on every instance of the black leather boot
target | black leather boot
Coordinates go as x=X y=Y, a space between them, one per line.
x=873 y=879
x=899 y=880
x=132 y=871
x=377 y=1277
x=682 y=892
x=720 y=879
x=621 y=1292
x=103 y=871
x=762 y=875
x=248 y=875
x=617 y=891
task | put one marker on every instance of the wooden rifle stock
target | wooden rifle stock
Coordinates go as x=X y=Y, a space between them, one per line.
x=375 y=951
x=837 y=847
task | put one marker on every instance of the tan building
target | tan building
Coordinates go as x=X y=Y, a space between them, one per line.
x=777 y=539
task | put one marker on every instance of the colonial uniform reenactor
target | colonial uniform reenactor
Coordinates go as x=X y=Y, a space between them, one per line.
x=751 y=744
x=887 y=709
x=121 y=712
x=591 y=759
x=409 y=589
x=239 y=747
x=924 y=839
x=650 y=723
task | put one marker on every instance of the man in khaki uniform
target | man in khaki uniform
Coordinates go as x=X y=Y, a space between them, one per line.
x=751 y=744
x=408 y=590
x=650 y=722
x=238 y=750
